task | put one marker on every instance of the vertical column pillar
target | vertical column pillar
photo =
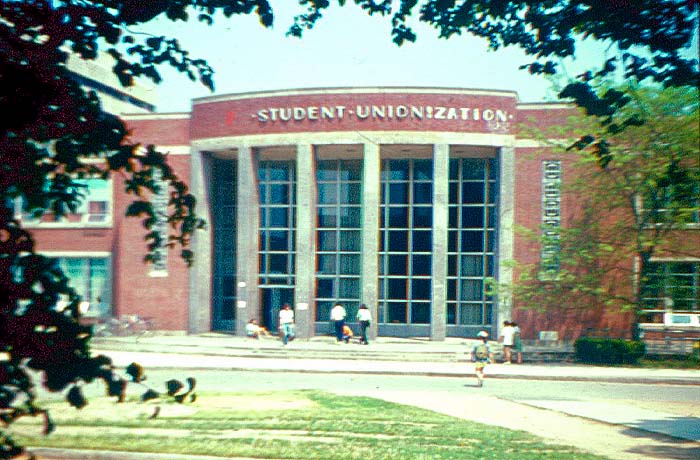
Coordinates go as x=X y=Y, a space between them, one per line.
x=199 y=315
x=304 y=311
x=441 y=189
x=247 y=237
x=506 y=204
x=371 y=186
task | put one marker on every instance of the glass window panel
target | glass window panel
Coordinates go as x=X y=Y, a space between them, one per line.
x=422 y=241
x=472 y=217
x=263 y=217
x=422 y=169
x=323 y=311
x=491 y=236
x=228 y=288
x=397 y=265
x=451 y=289
x=397 y=288
x=398 y=169
x=454 y=169
x=398 y=217
x=351 y=170
x=327 y=193
x=452 y=237
x=493 y=169
x=491 y=211
x=350 y=264
x=396 y=312
x=423 y=217
x=420 y=313
x=471 y=314
x=423 y=193
x=279 y=217
x=454 y=192
x=398 y=241
x=262 y=263
x=489 y=265
x=350 y=217
x=472 y=266
x=326 y=170
x=278 y=240
x=349 y=288
x=326 y=264
x=324 y=288
x=452 y=265
x=454 y=217
x=279 y=194
x=451 y=313
x=472 y=241
x=472 y=192
x=327 y=216
x=278 y=171
x=350 y=240
x=278 y=263
x=422 y=265
x=472 y=168
x=327 y=241
x=350 y=193
x=398 y=193
x=493 y=192
x=471 y=289
x=420 y=289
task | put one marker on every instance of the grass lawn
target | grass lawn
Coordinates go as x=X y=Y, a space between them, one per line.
x=284 y=425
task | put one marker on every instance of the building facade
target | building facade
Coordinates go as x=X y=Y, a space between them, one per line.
x=404 y=199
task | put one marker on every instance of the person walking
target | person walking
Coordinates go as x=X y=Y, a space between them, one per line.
x=287 y=323
x=364 y=316
x=481 y=355
x=517 y=343
x=508 y=340
x=338 y=317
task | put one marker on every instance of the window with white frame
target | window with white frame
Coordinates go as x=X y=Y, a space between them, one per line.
x=676 y=280
x=94 y=208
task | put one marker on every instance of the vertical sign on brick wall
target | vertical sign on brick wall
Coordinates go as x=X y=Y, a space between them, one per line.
x=159 y=200
x=551 y=218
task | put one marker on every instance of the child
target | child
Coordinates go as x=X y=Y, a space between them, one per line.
x=481 y=355
x=347 y=333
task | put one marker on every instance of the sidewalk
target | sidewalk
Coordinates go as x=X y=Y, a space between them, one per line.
x=382 y=356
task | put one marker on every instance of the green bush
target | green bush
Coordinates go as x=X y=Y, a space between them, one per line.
x=594 y=350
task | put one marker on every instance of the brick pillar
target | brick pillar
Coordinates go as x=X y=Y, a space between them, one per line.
x=305 y=266
x=247 y=237
x=371 y=187
x=441 y=171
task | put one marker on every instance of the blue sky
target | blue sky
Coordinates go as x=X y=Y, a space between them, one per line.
x=346 y=48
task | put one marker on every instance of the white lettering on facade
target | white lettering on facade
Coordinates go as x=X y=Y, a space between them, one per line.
x=384 y=112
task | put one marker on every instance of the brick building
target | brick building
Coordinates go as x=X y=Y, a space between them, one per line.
x=405 y=199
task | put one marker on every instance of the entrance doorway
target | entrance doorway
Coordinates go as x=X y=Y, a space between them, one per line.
x=272 y=299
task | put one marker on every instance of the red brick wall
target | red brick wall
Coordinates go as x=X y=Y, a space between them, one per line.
x=165 y=299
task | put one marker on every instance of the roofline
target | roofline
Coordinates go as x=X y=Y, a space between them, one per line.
x=545 y=105
x=354 y=90
x=156 y=116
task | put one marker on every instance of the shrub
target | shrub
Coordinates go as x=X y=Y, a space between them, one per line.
x=593 y=350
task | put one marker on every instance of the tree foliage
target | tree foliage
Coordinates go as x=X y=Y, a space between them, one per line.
x=652 y=40
x=53 y=134
x=634 y=209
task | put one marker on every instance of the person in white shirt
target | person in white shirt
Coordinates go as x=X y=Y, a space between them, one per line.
x=287 y=323
x=338 y=317
x=364 y=316
x=508 y=339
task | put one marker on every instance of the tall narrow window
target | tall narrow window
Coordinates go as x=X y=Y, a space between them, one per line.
x=159 y=201
x=339 y=238
x=551 y=218
x=405 y=248
x=277 y=184
x=472 y=239
x=224 y=217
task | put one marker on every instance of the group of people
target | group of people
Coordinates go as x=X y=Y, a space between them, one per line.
x=343 y=333
x=482 y=354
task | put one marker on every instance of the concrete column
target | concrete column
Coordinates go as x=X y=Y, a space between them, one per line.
x=304 y=310
x=247 y=237
x=199 y=316
x=441 y=197
x=506 y=205
x=371 y=187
